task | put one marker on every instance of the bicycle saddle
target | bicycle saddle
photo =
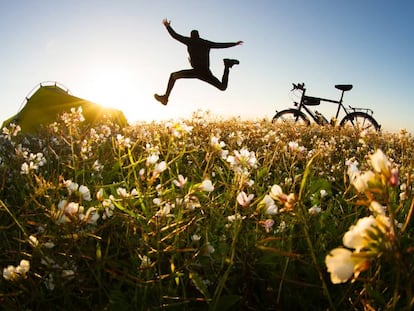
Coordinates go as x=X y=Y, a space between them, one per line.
x=344 y=87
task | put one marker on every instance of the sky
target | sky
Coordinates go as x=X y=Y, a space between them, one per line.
x=118 y=54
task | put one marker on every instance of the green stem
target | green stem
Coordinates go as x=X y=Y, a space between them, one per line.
x=223 y=279
x=14 y=219
x=408 y=218
x=26 y=236
x=303 y=214
x=279 y=292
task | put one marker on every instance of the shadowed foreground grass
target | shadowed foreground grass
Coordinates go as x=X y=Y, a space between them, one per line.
x=203 y=214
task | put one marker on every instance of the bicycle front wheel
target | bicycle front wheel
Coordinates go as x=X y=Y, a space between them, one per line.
x=360 y=121
x=290 y=116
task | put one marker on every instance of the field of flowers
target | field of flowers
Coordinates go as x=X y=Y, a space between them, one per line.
x=205 y=214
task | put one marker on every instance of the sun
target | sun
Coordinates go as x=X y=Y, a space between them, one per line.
x=120 y=88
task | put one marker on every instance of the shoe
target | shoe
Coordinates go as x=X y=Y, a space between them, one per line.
x=230 y=62
x=161 y=98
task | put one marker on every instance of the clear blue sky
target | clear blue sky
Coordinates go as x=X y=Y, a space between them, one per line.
x=118 y=53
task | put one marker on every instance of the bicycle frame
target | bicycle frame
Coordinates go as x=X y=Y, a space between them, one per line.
x=357 y=117
x=306 y=101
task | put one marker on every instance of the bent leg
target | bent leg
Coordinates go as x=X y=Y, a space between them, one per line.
x=187 y=73
x=208 y=77
x=225 y=79
x=202 y=74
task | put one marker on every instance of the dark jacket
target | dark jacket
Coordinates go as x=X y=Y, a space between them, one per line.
x=199 y=49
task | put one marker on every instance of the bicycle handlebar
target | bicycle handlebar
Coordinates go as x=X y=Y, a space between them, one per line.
x=299 y=86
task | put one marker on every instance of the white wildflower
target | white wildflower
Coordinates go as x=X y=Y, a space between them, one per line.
x=380 y=163
x=33 y=241
x=207 y=185
x=314 y=210
x=269 y=204
x=68 y=274
x=180 y=182
x=85 y=193
x=377 y=208
x=122 y=192
x=235 y=217
x=195 y=237
x=145 y=261
x=243 y=199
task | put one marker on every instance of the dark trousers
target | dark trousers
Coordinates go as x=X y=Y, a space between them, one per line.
x=203 y=74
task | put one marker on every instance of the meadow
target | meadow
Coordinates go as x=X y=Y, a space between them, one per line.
x=205 y=214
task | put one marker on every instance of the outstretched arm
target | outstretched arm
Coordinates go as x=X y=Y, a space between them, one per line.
x=218 y=45
x=171 y=31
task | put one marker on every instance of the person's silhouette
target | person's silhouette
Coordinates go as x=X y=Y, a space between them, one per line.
x=199 y=57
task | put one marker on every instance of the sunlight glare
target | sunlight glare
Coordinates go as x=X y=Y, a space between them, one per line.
x=120 y=88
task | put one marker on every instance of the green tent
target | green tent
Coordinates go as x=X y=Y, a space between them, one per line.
x=48 y=101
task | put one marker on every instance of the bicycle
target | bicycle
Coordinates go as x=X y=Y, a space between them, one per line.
x=359 y=118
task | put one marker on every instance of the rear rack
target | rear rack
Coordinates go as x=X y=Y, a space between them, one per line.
x=366 y=110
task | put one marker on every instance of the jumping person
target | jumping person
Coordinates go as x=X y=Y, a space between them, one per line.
x=199 y=52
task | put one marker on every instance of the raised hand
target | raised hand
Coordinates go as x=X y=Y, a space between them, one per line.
x=166 y=22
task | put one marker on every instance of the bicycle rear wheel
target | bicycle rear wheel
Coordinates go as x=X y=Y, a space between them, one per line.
x=361 y=121
x=290 y=116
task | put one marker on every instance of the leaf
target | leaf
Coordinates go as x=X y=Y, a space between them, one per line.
x=278 y=251
x=118 y=300
x=227 y=302
x=200 y=285
x=318 y=184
